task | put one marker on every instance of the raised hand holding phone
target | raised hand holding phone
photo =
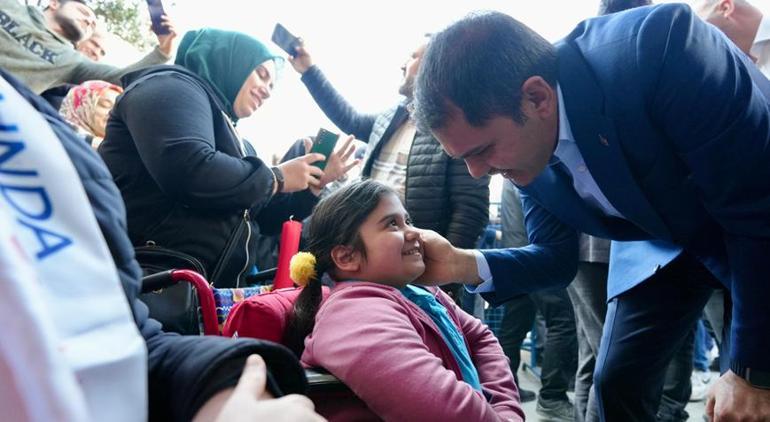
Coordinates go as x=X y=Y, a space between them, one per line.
x=162 y=26
x=302 y=61
x=156 y=16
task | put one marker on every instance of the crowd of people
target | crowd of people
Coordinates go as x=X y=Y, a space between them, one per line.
x=634 y=221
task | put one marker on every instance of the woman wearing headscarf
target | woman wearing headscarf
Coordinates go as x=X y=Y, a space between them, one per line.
x=191 y=184
x=87 y=106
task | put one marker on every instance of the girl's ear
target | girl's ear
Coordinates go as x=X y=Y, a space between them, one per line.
x=346 y=259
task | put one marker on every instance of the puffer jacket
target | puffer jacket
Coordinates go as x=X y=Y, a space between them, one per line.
x=440 y=193
x=184 y=371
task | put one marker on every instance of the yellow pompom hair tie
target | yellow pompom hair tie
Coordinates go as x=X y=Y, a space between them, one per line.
x=302 y=268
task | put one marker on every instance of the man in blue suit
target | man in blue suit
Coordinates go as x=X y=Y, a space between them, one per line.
x=644 y=127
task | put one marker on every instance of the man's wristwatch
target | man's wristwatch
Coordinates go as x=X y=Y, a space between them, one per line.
x=278 y=179
x=756 y=378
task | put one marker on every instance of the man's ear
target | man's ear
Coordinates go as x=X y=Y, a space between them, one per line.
x=346 y=259
x=539 y=96
x=54 y=4
x=725 y=8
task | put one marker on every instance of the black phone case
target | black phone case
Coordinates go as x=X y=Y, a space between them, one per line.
x=284 y=39
x=156 y=11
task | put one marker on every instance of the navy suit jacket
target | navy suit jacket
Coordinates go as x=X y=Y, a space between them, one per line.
x=677 y=136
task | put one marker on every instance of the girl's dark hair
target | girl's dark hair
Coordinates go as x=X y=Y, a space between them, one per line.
x=335 y=221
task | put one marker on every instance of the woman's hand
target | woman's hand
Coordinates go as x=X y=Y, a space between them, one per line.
x=299 y=173
x=338 y=163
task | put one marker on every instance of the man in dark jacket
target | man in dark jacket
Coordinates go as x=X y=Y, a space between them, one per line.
x=437 y=191
x=185 y=373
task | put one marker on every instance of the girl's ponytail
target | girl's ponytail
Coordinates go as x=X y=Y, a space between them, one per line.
x=304 y=273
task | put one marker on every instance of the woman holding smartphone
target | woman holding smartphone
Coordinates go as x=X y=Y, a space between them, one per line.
x=192 y=186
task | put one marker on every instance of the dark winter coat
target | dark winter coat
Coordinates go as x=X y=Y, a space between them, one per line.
x=187 y=184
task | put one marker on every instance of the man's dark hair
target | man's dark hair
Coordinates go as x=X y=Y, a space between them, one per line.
x=479 y=64
x=613 y=6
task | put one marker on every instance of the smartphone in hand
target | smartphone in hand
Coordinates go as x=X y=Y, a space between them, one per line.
x=156 y=11
x=324 y=143
x=284 y=39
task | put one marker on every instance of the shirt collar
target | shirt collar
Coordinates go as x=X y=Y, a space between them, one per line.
x=763 y=32
x=565 y=131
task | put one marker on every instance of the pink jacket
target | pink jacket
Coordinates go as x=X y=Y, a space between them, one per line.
x=392 y=355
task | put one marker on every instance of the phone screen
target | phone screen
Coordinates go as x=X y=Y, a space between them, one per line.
x=324 y=143
x=284 y=39
x=156 y=11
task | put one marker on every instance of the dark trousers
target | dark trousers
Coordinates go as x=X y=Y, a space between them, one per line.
x=677 y=386
x=560 y=343
x=643 y=330
x=588 y=293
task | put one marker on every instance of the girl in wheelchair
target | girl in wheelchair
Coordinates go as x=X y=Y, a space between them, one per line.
x=406 y=350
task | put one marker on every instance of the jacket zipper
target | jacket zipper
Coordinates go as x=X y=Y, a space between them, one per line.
x=241 y=148
x=246 y=247
x=227 y=252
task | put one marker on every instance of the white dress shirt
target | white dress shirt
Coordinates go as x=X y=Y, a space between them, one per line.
x=761 y=47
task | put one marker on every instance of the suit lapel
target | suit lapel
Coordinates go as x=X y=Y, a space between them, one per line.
x=598 y=144
x=553 y=190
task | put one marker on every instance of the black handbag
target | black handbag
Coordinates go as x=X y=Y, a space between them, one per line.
x=175 y=307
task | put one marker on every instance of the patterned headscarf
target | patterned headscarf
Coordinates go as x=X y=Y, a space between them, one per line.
x=81 y=101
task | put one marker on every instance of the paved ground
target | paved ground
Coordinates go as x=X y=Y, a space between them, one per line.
x=530 y=382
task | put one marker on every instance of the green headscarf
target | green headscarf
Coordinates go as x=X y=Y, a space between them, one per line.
x=224 y=59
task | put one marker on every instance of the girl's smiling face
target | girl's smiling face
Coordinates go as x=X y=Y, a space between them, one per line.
x=393 y=249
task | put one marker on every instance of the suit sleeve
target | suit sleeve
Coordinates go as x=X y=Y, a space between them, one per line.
x=336 y=108
x=702 y=95
x=491 y=364
x=469 y=200
x=171 y=122
x=548 y=262
x=370 y=343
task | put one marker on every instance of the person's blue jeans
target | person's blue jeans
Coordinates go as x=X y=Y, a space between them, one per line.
x=703 y=343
